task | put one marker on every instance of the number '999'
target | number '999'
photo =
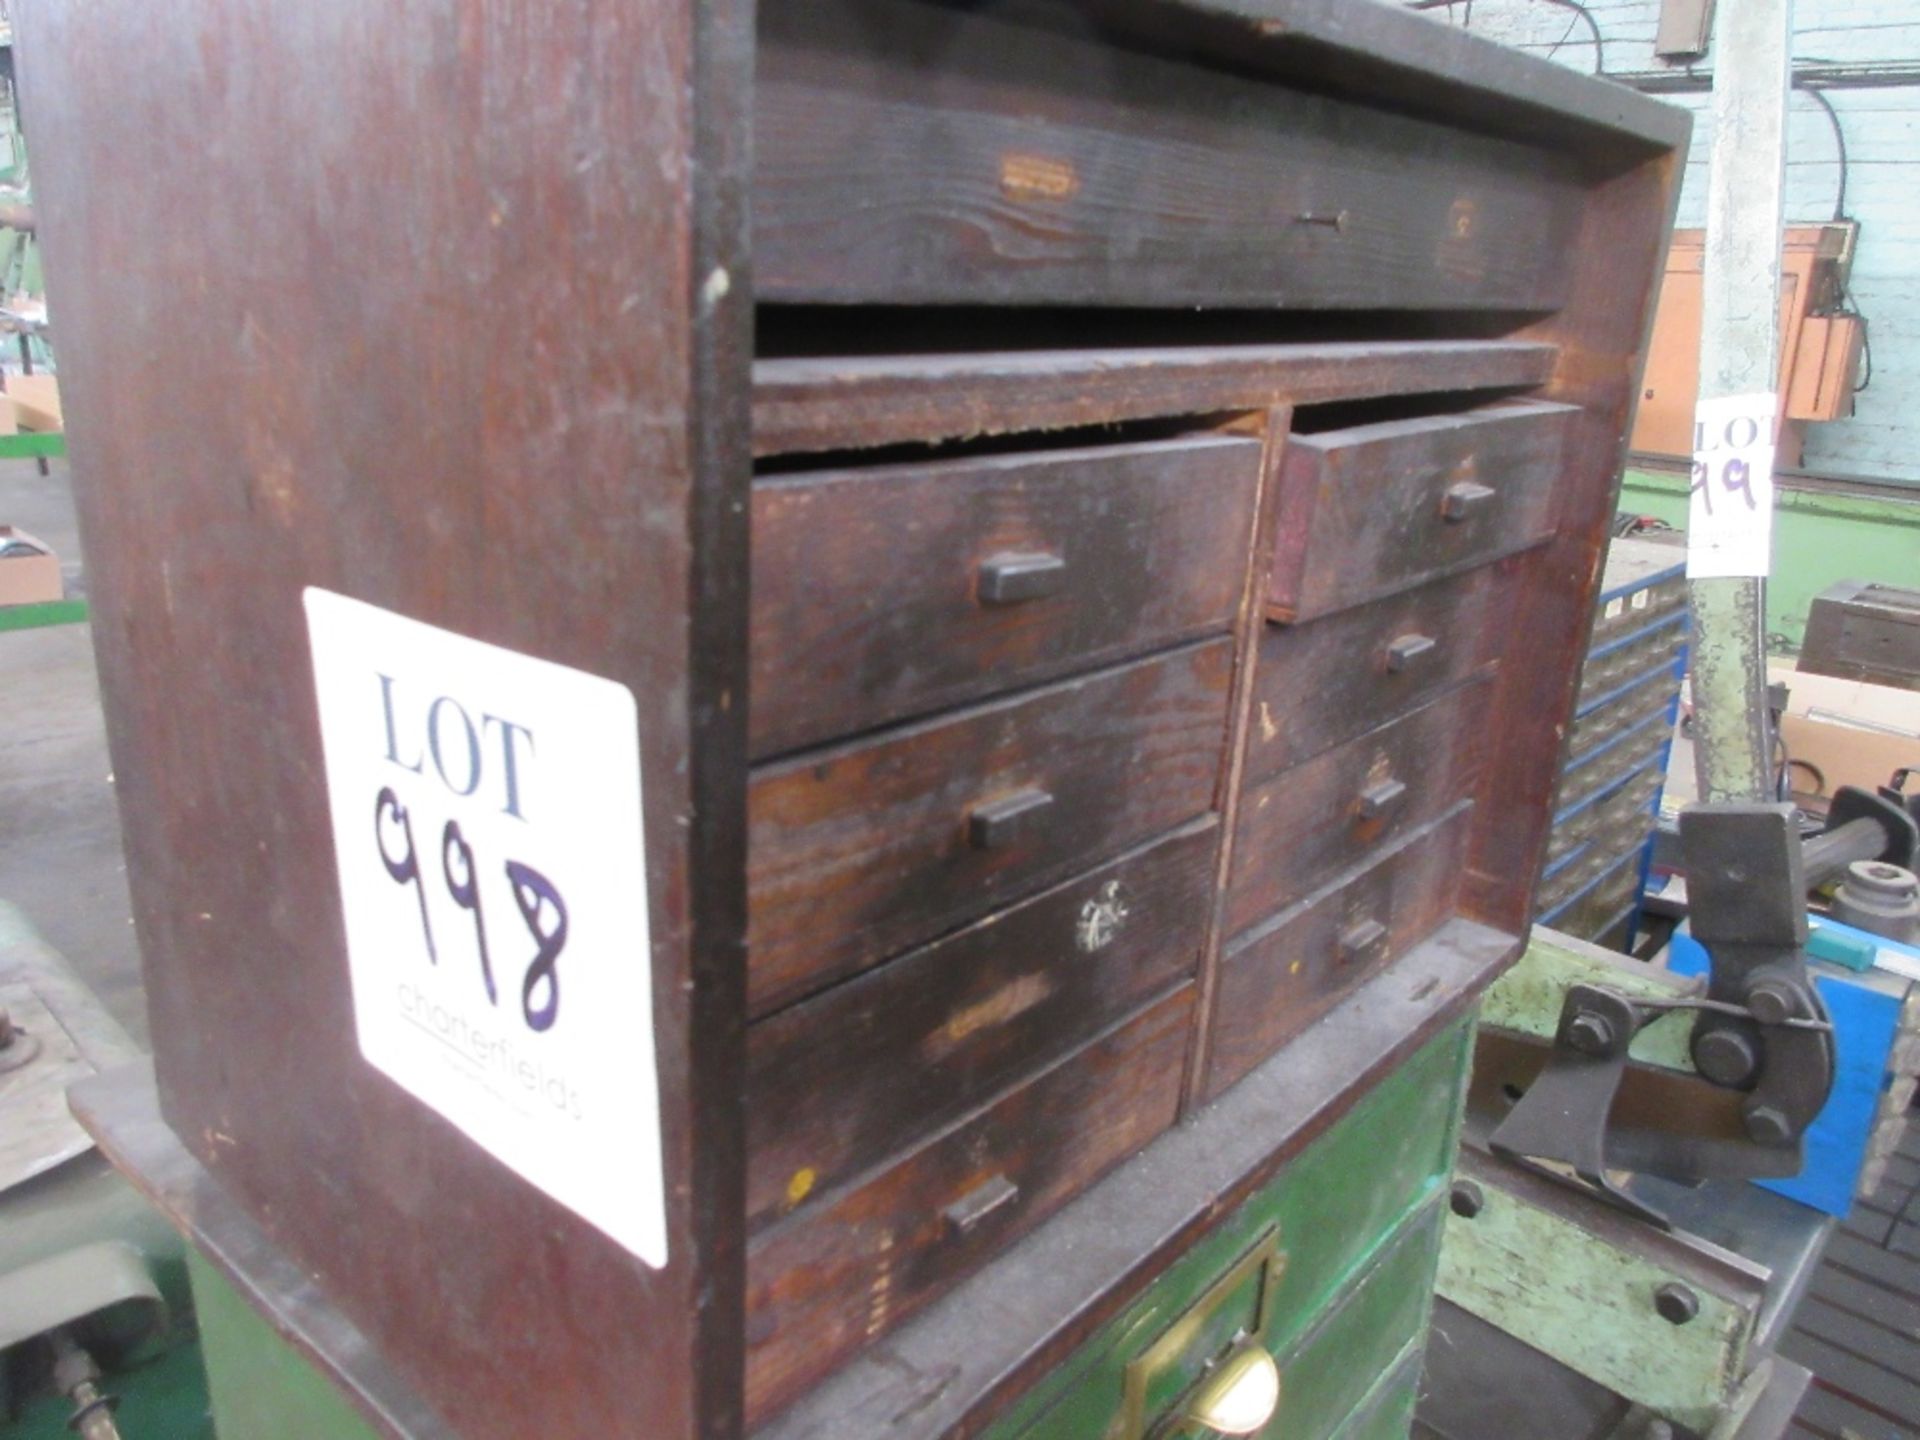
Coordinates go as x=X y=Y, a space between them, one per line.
x=538 y=900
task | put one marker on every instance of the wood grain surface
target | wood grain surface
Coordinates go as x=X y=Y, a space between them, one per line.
x=838 y=1083
x=916 y=153
x=332 y=275
x=1301 y=826
x=858 y=401
x=860 y=851
x=871 y=596
x=1280 y=977
x=832 y=1279
x=1324 y=681
x=1377 y=508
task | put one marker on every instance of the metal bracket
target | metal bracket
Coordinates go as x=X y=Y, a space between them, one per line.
x=1760 y=1031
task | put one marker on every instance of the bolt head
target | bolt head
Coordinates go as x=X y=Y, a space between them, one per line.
x=1590 y=1033
x=1770 y=1002
x=1726 y=1057
x=1768 y=1125
x=1676 y=1303
x=1468 y=1199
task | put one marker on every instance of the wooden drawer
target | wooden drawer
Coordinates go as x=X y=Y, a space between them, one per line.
x=832 y=1278
x=895 y=590
x=838 y=1083
x=1283 y=975
x=928 y=154
x=1323 y=682
x=1335 y=1210
x=857 y=852
x=1373 y=509
x=1299 y=828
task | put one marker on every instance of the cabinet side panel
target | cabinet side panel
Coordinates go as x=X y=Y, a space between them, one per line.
x=1602 y=336
x=439 y=307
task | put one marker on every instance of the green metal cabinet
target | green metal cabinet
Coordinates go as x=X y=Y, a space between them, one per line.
x=1331 y=1265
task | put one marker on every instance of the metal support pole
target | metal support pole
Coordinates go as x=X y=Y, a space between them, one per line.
x=1739 y=355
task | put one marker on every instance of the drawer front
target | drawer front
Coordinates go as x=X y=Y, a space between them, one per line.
x=858 y=852
x=1298 y=829
x=1625 y=753
x=1283 y=975
x=1374 y=509
x=1636 y=609
x=1387 y=1414
x=914 y=153
x=1335 y=1210
x=1335 y=1368
x=838 y=1083
x=897 y=590
x=1318 y=684
x=1620 y=661
x=1604 y=904
x=1624 y=809
x=1645 y=695
x=831 y=1279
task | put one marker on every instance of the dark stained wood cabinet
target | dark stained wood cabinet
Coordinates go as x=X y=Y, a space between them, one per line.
x=1096 y=504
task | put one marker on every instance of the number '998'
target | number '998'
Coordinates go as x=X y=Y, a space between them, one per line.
x=538 y=900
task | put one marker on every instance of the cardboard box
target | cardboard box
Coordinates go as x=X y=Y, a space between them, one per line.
x=29 y=570
x=1849 y=732
x=36 y=401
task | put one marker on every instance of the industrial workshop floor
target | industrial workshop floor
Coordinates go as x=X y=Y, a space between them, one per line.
x=1858 y=1330
x=60 y=862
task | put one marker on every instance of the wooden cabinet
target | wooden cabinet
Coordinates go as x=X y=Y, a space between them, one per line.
x=1093 y=511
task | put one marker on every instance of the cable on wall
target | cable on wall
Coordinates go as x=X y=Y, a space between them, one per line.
x=1848 y=305
x=1581 y=12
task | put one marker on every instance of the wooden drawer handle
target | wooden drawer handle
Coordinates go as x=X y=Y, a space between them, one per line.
x=1381 y=797
x=1000 y=822
x=1008 y=579
x=1360 y=937
x=1465 y=498
x=977 y=1204
x=1405 y=650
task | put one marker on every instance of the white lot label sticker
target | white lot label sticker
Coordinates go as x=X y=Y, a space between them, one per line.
x=486 y=822
x=1730 y=517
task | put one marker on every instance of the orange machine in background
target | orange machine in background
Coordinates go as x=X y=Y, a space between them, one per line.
x=1820 y=341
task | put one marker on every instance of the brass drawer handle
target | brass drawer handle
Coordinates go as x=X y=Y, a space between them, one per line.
x=1360 y=937
x=1008 y=579
x=1227 y=1391
x=1464 y=498
x=977 y=1204
x=1404 y=650
x=1241 y=1394
x=1001 y=822
x=1381 y=797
